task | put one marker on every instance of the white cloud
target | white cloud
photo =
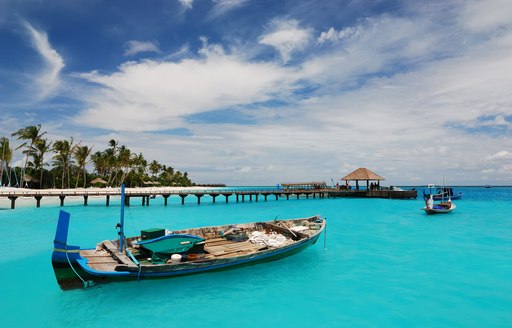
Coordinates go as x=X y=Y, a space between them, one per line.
x=186 y=3
x=49 y=79
x=377 y=45
x=397 y=124
x=486 y=16
x=222 y=7
x=386 y=93
x=333 y=35
x=150 y=95
x=286 y=37
x=503 y=154
x=134 y=47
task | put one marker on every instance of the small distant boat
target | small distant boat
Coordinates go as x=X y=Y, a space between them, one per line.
x=442 y=207
x=488 y=186
x=438 y=208
x=441 y=193
x=157 y=253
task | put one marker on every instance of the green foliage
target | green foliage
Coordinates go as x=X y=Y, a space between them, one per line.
x=115 y=165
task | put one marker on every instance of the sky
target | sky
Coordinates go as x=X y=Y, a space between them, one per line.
x=260 y=92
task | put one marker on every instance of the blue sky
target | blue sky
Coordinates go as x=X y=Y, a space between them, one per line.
x=261 y=92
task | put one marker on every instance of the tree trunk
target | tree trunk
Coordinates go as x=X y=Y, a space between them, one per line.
x=115 y=177
x=2 y=174
x=77 y=176
x=69 y=177
x=63 y=175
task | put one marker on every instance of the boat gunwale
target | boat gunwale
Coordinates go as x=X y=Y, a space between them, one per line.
x=201 y=265
x=209 y=264
x=431 y=211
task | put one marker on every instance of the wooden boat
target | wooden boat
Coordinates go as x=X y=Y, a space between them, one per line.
x=156 y=253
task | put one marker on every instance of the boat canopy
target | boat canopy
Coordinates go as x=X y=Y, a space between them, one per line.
x=169 y=244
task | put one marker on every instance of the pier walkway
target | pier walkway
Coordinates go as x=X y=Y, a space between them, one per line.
x=146 y=194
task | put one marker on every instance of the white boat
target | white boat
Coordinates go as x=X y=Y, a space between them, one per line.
x=438 y=208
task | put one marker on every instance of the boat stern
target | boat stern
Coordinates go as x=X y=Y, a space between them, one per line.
x=62 y=252
x=64 y=256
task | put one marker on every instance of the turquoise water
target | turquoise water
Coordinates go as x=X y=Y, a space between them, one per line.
x=385 y=264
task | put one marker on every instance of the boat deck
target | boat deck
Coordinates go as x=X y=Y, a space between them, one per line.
x=99 y=260
x=107 y=258
x=220 y=247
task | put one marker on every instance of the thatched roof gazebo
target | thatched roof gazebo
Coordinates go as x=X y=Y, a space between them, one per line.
x=98 y=181
x=151 y=183
x=362 y=174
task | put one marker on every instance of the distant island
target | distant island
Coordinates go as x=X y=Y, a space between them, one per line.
x=63 y=164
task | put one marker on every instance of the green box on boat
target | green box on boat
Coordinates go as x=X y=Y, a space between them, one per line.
x=152 y=233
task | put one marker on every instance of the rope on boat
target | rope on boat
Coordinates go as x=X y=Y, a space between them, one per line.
x=134 y=261
x=132 y=221
x=85 y=283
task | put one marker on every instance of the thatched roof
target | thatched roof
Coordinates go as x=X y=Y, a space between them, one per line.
x=362 y=174
x=151 y=182
x=98 y=180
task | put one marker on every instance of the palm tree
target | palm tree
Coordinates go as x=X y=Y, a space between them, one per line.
x=113 y=144
x=167 y=174
x=30 y=133
x=99 y=159
x=139 y=165
x=111 y=158
x=81 y=154
x=186 y=180
x=126 y=161
x=62 y=159
x=41 y=147
x=154 y=167
x=5 y=157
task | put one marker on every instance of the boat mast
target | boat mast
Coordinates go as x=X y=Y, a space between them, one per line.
x=442 y=191
x=121 y=224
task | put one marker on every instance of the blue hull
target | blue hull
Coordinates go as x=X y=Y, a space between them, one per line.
x=454 y=197
x=73 y=271
x=445 y=196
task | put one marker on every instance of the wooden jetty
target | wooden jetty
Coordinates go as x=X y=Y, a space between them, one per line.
x=384 y=193
x=146 y=194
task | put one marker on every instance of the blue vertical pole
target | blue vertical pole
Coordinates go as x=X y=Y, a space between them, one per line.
x=121 y=229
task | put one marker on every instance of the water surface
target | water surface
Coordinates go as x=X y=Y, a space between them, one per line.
x=385 y=264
